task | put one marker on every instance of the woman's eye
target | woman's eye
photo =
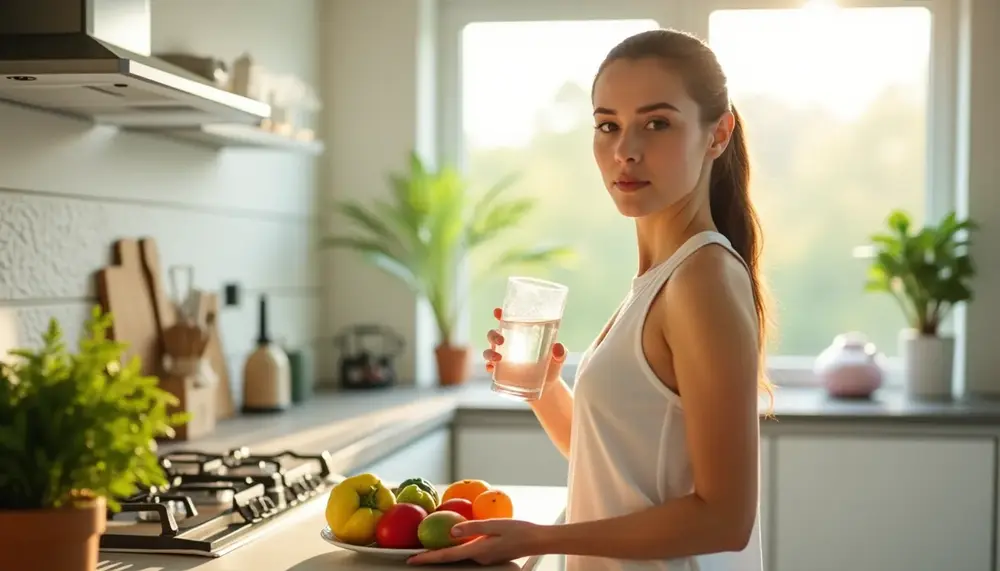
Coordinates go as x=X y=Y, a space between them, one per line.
x=657 y=124
x=606 y=127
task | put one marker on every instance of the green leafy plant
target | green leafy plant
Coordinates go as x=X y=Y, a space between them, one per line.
x=926 y=270
x=79 y=425
x=432 y=222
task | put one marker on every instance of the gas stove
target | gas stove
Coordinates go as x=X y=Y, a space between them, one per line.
x=214 y=503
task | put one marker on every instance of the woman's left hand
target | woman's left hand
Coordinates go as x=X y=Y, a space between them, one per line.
x=501 y=540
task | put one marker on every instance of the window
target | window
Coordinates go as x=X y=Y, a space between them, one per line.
x=835 y=105
x=526 y=110
x=838 y=104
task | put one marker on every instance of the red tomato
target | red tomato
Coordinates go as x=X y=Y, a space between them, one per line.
x=460 y=506
x=397 y=528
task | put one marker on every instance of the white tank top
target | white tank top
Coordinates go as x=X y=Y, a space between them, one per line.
x=628 y=450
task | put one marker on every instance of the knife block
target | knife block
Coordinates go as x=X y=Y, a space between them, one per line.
x=198 y=400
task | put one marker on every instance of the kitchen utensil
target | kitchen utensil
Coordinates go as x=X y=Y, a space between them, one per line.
x=267 y=382
x=208 y=313
x=381 y=552
x=123 y=290
x=196 y=398
x=532 y=311
x=849 y=367
x=182 y=291
x=185 y=344
x=166 y=313
x=188 y=375
x=300 y=382
x=364 y=365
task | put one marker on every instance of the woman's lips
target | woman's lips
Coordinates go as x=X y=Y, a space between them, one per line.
x=630 y=185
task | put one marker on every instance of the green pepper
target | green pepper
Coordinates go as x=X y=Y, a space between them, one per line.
x=414 y=494
x=423 y=485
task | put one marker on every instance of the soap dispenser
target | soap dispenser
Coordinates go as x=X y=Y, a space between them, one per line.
x=267 y=379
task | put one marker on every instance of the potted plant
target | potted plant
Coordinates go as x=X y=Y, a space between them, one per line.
x=77 y=431
x=424 y=233
x=927 y=271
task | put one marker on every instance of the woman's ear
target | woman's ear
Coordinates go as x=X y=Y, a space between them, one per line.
x=722 y=133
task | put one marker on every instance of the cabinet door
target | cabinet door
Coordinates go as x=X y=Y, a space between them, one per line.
x=507 y=455
x=766 y=478
x=886 y=504
x=428 y=457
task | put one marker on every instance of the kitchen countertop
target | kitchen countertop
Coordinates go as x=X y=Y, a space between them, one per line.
x=295 y=544
x=337 y=420
x=808 y=404
x=359 y=428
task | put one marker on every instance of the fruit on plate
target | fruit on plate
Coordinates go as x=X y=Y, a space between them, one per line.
x=423 y=485
x=355 y=507
x=414 y=494
x=467 y=489
x=397 y=528
x=461 y=506
x=492 y=504
x=434 y=531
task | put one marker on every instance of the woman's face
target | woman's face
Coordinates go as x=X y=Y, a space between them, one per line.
x=649 y=141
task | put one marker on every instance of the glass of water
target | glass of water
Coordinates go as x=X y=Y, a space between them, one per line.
x=532 y=310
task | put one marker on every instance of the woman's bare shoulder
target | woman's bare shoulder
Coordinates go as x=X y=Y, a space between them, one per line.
x=711 y=284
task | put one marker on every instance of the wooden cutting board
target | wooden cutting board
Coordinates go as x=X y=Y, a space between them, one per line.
x=166 y=312
x=123 y=290
x=209 y=306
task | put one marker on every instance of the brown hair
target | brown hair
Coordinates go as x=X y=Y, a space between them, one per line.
x=729 y=189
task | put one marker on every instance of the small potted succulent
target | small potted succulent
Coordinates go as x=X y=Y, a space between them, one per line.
x=77 y=431
x=927 y=271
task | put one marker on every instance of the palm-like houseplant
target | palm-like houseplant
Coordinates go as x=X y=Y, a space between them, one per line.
x=927 y=271
x=77 y=433
x=424 y=233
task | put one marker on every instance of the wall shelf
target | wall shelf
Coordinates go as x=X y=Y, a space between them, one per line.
x=225 y=135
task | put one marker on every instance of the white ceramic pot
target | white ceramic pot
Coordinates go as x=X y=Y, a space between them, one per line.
x=850 y=367
x=927 y=364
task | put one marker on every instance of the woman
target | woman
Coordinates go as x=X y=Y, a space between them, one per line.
x=661 y=430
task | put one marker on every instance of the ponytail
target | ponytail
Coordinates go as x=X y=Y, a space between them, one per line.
x=736 y=219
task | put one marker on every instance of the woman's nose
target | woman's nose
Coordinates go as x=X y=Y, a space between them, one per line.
x=629 y=148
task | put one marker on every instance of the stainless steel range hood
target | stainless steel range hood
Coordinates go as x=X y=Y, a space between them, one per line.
x=91 y=58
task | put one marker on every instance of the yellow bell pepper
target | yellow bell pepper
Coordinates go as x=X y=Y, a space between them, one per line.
x=355 y=506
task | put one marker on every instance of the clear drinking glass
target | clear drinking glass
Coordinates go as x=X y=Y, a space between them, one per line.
x=532 y=310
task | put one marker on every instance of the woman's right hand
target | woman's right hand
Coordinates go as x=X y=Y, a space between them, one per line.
x=495 y=339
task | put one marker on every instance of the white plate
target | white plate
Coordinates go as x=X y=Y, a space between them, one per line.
x=397 y=554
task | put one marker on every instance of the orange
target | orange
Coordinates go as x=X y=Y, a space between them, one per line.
x=465 y=489
x=492 y=504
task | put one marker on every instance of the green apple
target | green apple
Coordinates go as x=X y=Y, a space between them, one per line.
x=434 y=531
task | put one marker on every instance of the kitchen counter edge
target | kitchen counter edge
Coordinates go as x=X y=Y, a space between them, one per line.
x=342 y=421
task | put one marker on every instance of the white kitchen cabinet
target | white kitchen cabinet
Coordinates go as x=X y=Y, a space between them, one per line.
x=854 y=503
x=509 y=455
x=765 y=498
x=428 y=457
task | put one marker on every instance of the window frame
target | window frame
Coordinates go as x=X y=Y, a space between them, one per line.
x=693 y=16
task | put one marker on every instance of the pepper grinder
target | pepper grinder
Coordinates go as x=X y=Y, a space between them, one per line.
x=267 y=379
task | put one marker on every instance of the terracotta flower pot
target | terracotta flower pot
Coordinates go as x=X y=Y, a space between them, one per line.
x=452 y=364
x=66 y=538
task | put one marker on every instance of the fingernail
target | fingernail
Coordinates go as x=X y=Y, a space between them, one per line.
x=499 y=339
x=559 y=350
x=456 y=532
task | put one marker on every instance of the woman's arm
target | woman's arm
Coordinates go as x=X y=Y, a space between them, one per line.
x=555 y=410
x=711 y=329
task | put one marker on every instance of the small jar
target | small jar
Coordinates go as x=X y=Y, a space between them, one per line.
x=850 y=367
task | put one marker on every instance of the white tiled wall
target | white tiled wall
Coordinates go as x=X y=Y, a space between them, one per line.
x=69 y=189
